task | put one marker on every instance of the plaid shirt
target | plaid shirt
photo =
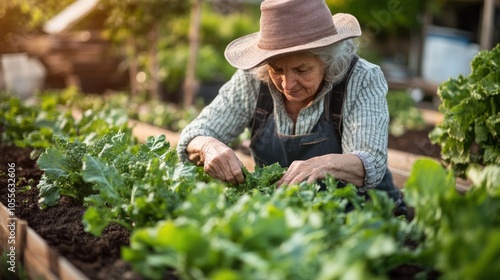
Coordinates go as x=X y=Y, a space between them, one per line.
x=365 y=116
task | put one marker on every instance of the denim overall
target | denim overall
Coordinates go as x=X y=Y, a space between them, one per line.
x=268 y=146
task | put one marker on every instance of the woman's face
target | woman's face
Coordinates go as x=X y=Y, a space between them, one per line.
x=298 y=76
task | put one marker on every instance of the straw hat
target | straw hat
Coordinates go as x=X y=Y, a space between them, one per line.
x=288 y=26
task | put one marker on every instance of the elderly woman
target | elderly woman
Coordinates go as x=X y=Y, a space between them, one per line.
x=311 y=103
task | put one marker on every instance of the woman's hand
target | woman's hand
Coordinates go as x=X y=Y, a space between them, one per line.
x=218 y=160
x=303 y=170
x=346 y=167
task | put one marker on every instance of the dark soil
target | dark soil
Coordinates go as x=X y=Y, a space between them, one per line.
x=415 y=142
x=99 y=257
x=60 y=226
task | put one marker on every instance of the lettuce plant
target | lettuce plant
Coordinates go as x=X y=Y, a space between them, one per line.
x=470 y=105
x=461 y=230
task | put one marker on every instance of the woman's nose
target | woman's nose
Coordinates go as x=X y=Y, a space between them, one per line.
x=288 y=81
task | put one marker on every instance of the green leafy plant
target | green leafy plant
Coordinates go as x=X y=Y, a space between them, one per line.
x=134 y=187
x=30 y=126
x=403 y=113
x=140 y=107
x=61 y=164
x=139 y=187
x=294 y=232
x=452 y=222
x=61 y=141
x=470 y=106
x=120 y=181
x=34 y=125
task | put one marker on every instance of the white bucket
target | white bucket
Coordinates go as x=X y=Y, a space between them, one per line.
x=22 y=75
x=447 y=54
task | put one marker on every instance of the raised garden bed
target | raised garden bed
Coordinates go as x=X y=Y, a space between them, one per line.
x=61 y=229
x=72 y=251
x=447 y=222
x=58 y=236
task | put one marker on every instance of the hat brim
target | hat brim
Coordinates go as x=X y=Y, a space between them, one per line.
x=244 y=53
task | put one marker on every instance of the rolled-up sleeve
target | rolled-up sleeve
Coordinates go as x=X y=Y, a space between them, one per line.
x=366 y=119
x=226 y=116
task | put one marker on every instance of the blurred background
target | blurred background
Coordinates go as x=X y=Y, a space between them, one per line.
x=172 y=50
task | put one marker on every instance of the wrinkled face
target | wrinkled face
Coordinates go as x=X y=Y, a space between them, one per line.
x=298 y=76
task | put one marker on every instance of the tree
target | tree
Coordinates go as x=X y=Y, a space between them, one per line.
x=130 y=23
x=136 y=24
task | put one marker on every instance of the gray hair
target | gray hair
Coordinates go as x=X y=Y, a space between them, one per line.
x=336 y=58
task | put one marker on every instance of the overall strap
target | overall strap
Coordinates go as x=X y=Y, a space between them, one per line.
x=263 y=108
x=338 y=94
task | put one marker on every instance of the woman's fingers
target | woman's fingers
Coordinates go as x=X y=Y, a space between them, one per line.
x=291 y=176
x=301 y=171
x=222 y=164
x=218 y=160
x=226 y=171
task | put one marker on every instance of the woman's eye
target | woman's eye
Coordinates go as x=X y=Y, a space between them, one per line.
x=276 y=70
x=301 y=70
